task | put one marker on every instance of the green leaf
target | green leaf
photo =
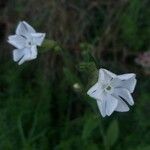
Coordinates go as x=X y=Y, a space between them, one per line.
x=86 y=47
x=144 y=148
x=87 y=66
x=92 y=146
x=50 y=45
x=112 y=133
x=70 y=76
x=90 y=124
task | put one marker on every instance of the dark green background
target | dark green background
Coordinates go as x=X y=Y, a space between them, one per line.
x=39 y=107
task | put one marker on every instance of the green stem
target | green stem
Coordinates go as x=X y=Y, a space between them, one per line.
x=92 y=58
x=21 y=131
x=104 y=137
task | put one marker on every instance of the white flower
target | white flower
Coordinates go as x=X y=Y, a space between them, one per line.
x=26 y=41
x=113 y=92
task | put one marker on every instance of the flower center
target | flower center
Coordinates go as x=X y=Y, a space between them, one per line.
x=29 y=42
x=108 y=89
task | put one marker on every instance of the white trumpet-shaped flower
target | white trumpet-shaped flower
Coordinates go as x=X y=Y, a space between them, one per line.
x=26 y=41
x=113 y=92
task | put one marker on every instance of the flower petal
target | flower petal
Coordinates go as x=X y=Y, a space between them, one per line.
x=111 y=103
x=17 y=54
x=105 y=76
x=125 y=94
x=28 y=54
x=126 y=76
x=130 y=84
x=33 y=52
x=94 y=92
x=110 y=73
x=116 y=82
x=17 y=41
x=38 y=38
x=128 y=81
x=122 y=106
x=26 y=57
x=102 y=107
x=24 y=29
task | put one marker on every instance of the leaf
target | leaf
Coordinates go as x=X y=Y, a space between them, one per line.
x=144 y=148
x=92 y=146
x=87 y=66
x=112 y=133
x=86 y=51
x=21 y=131
x=50 y=45
x=70 y=76
x=86 y=47
x=73 y=142
x=90 y=124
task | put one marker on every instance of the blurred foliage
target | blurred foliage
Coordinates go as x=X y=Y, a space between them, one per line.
x=43 y=103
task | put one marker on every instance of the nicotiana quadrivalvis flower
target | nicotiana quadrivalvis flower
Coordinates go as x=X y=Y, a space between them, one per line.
x=26 y=41
x=113 y=92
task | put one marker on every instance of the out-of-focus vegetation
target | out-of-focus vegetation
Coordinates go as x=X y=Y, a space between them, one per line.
x=43 y=103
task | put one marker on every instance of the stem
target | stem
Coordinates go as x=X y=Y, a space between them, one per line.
x=104 y=137
x=21 y=131
x=94 y=60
